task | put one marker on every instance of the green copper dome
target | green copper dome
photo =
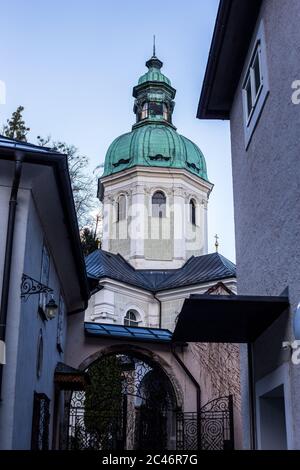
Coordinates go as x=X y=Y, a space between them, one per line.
x=154 y=75
x=154 y=141
x=154 y=145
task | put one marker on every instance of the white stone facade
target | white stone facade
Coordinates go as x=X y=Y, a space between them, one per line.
x=149 y=242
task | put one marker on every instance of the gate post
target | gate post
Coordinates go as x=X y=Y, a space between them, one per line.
x=199 y=443
x=231 y=426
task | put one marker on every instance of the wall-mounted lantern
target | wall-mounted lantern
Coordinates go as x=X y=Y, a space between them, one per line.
x=30 y=286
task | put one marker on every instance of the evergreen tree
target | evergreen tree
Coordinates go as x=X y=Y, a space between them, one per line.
x=89 y=242
x=103 y=401
x=15 y=127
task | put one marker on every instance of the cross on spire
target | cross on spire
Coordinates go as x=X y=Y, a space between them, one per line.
x=217 y=243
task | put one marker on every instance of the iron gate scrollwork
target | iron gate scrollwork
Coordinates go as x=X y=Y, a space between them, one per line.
x=128 y=405
x=213 y=430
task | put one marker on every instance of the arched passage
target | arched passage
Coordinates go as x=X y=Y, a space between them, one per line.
x=129 y=404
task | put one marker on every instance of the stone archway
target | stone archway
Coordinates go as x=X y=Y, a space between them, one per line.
x=143 y=353
x=130 y=404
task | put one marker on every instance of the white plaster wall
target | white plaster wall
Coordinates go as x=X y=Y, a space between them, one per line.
x=148 y=242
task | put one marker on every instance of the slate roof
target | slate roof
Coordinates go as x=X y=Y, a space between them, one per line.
x=197 y=270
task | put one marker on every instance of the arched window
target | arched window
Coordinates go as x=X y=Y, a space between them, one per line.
x=165 y=112
x=159 y=204
x=144 y=113
x=155 y=109
x=192 y=212
x=121 y=208
x=130 y=319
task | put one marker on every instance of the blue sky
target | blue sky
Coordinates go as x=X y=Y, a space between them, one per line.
x=72 y=65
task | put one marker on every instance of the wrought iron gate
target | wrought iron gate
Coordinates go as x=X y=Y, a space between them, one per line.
x=212 y=430
x=128 y=405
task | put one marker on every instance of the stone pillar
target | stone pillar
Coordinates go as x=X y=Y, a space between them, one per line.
x=137 y=225
x=107 y=220
x=179 y=224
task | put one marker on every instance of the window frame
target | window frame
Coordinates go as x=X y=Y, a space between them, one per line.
x=40 y=354
x=250 y=77
x=60 y=324
x=251 y=117
x=40 y=422
x=119 y=219
x=164 y=213
x=129 y=320
x=145 y=110
x=192 y=212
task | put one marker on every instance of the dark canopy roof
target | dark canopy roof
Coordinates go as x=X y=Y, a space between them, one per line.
x=196 y=270
x=231 y=38
x=227 y=318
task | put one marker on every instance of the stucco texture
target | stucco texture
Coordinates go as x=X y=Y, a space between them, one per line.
x=266 y=181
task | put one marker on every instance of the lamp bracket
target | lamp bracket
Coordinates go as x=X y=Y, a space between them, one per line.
x=30 y=286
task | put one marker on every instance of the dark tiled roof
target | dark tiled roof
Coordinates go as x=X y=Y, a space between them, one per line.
x=196 y=270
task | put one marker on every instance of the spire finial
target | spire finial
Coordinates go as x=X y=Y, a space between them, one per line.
x=153 y=45
x=217 y=243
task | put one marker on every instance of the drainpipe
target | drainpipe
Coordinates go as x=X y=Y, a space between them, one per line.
x=198 y=391
x=252 y=407
x=19 y=157
x=159 y=311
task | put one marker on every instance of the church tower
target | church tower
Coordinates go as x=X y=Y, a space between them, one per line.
x=154 y=187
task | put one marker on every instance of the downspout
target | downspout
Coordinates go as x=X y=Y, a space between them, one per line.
x=19 y=157
x=198 y=391
x=159 y=309
x=252 y=407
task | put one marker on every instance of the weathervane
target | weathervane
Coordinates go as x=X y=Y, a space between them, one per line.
x=217 y=243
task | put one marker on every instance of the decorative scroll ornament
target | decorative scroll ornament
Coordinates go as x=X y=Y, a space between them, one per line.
x=30 y=286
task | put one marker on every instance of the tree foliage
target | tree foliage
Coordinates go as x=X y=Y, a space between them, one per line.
x=103 y=398
x=15 y=127
x=89 y=241
x=83 y=183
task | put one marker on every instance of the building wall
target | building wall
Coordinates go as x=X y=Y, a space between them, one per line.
x=13 y=317
x=24 y=325
x=214 y=366
x=31 y=324
x=266 y=192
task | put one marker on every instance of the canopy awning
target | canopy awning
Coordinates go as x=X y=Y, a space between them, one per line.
x=132 y=333
x=227 y=318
